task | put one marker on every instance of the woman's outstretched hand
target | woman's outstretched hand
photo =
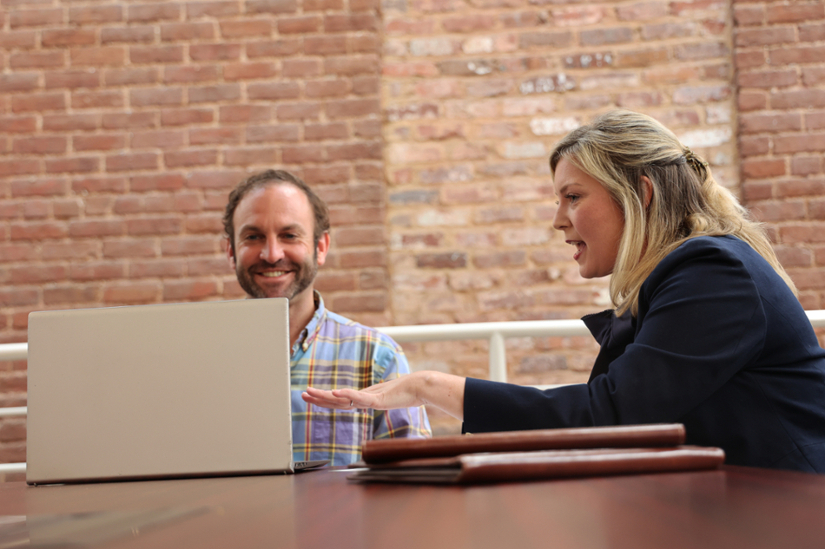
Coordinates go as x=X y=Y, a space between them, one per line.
x=443 y=391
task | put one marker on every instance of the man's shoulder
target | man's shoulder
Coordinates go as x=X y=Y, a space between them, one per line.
x=348 y=328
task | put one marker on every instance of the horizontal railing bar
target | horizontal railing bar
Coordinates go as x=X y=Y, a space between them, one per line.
x=6 y=468
x=484 y=330
x=14 y=351
x=14 y=411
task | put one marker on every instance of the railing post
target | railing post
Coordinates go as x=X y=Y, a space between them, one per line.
x=498 y=357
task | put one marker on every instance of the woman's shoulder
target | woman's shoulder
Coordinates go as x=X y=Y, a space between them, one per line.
x=702 y=255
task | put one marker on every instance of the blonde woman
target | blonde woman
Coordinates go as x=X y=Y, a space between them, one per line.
x=706 y=331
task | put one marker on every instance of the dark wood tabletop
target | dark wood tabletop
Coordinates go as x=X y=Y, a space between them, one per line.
x=730 y=508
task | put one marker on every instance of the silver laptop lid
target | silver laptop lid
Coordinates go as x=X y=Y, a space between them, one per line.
x=154 y=391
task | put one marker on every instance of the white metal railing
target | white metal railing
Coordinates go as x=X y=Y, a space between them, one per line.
x=494 y=332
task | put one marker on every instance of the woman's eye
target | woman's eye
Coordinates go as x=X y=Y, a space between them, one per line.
x=572 y=197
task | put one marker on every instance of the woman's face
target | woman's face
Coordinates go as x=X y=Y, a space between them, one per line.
x=590 y=219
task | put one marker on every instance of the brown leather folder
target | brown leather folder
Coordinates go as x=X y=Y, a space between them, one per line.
x=623 y=436
x=519 y=466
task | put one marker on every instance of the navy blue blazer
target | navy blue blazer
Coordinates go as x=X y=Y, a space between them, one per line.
x=720 y=343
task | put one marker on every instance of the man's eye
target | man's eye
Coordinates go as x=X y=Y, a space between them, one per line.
x=252 y=237
x=289 y=236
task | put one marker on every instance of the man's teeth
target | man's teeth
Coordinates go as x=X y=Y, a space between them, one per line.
x=273 y=274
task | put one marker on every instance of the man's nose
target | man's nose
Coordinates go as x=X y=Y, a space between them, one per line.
x=272 y=252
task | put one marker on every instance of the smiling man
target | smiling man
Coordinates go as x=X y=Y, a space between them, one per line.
x=277 y=235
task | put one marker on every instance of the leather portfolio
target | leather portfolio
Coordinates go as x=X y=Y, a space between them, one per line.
x=622 y=436
x=547 y=464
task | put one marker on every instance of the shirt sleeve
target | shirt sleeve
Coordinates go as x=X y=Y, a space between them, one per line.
x=390 y=363
x=701 y=320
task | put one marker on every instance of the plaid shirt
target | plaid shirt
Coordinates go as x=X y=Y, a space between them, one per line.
x=334 y=353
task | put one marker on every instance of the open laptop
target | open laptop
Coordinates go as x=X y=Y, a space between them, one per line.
x=159 y=391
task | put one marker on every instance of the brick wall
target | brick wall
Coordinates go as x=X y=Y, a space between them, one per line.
x=474 y=100
x=124 y=124
x=780 y=61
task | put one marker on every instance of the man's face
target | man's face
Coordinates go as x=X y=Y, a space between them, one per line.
x=275 y=253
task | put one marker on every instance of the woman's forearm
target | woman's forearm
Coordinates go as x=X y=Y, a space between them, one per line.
x=444 y=391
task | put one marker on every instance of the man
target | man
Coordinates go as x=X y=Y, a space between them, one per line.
x=277 y=235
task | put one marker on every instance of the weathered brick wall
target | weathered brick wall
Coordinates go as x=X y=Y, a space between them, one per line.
x=124 y=124
x=780 y=61
x=474 y=99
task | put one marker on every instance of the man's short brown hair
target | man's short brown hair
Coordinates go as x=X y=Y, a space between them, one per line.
x=274 y=177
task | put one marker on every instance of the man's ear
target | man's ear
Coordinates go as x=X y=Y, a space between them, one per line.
x=647 y=191
x=230 y=255
x=323 y=248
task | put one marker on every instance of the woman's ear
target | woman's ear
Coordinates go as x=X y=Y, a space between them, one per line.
x=647 y=191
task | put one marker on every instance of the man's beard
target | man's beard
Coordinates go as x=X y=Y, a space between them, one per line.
x=303 y=276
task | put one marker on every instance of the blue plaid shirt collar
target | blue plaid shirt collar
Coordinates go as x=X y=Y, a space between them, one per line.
x=310 y=332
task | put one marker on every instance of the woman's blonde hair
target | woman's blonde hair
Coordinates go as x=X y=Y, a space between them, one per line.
x=620 y=147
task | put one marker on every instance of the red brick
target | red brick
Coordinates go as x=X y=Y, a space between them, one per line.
x=352 y=151
x=251 y=156
x=189 y=32
x=95 y=228
x=95 y=270
x=271 y=6
x=159 y=182
x=283 y=133
x=155 y=268
x=327 y=88
x=664 y=31
x=56 y=38
x=39 y=102
x=748 y=15
x=37 y=59
x=362 y=258
x=113 y=56
x=18 y=39
x=153 y=12
x=98 y=99
x=132 y=292
x=752 y=101
x=327 y=5
x=809 y=232
x=156 y=96
x=156 y=54
x=154 y=225
x=598 y=37
x=99 y=185
x=39 y=230
x=10 y=253
x=130 y=120
x=274 y=48
x=249 y=71
x=273 y=90
x=212 y=8
x=37 y=274
x=244 y=113
x=761 y=169
x=39 y=187
x=73 y=165
x=350 y=22
x=800 y=187
x=802 y=54
x=132 y=161
x=215 y=52
x=188 y=245
x=77 y=249
x=217 y=93
x=795 y=13
x=318 y=132
x=210 y=224
x=64 y=294
x=19 y=167
x=744 y=38
x=190 y=73
x=71 y=122
x=19 y=297
x=469 y=23
x=446 y=260
x=208 y=136
x=559 y=39
x=704 y=50
x=126 y=77
x=642 y=58
x=35 y=17
x=18 y=82
x=302 y=154
x=186 y=116
x=299 y=25
x=183 y=159
x=298 y=111
x=352 y=108
x=806 y=165
x=812 y=33
x=750 y=59
x=301 y=68
x=95 y=14
x=189 y=290
x=770 y=123
x=351 y=65
x=136 y=34
x=39 y=145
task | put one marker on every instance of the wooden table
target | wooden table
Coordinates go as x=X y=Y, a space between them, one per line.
x=730 y=508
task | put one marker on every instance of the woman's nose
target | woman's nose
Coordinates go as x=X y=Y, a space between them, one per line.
x=560 y=221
